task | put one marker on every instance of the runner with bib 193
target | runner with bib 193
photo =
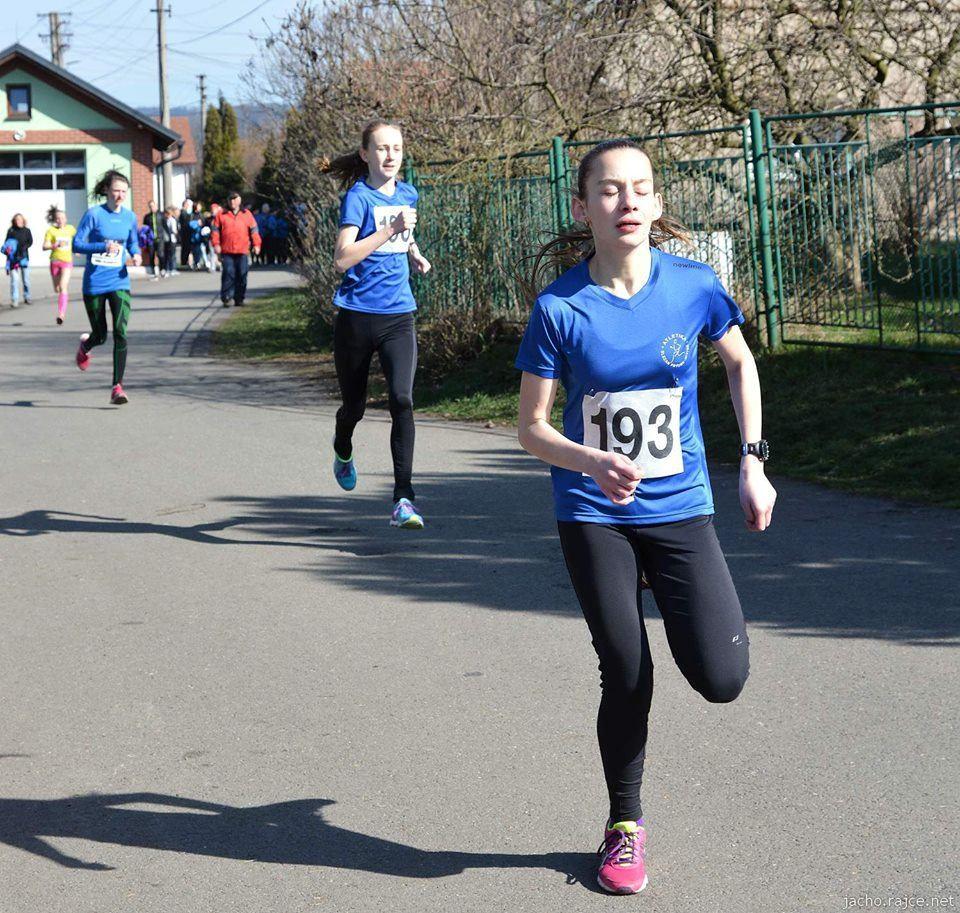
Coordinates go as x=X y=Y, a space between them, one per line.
x=107 y=234
x=619 y=329
x=375 y=251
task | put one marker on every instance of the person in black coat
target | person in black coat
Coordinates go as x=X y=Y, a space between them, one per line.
x=22 y=235
x=186 y=214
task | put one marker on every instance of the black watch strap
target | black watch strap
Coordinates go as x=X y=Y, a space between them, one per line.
x=760 y=449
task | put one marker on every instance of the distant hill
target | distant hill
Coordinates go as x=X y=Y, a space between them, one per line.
x=251 y=119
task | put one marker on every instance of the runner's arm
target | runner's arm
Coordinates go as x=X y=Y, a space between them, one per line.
x=349 y=251
x=757 y=495
x=81 y=240
x=614 y=473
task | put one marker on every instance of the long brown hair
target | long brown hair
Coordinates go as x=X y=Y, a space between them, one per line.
x=350 y=168
x=574 y=244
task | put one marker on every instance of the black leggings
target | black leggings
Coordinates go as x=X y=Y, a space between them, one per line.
x=356 y=336
x=701 y=616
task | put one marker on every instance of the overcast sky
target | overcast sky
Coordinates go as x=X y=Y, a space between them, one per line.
x=114 y=43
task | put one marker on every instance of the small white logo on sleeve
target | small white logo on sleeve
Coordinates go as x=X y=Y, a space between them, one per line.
x=736 y=639
x=674 y=350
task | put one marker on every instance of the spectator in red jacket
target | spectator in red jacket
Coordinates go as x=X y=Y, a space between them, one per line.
x=234 y=229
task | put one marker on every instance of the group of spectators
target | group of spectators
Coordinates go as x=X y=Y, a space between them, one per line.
x=274 y=228
x=181 y=238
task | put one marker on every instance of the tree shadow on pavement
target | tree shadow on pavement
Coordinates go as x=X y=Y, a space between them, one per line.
x=832 y=565
x=285 y=833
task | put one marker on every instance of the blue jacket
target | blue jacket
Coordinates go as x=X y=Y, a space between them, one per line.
x=99 y=225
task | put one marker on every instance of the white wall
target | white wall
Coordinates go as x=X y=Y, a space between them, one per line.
x=181 y=186
x=34 y=205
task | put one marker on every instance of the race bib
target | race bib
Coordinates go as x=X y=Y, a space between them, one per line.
x=114 y=261
x=382 y=217
x=643 y=425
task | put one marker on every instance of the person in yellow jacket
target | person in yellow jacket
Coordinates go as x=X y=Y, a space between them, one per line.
x=59 y=241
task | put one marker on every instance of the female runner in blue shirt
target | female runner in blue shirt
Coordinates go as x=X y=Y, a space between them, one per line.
x=375 y=250
x=619 y=329
x=107 y=234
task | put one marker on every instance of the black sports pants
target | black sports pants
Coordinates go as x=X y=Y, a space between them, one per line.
x=702 y=618
x=356 y=336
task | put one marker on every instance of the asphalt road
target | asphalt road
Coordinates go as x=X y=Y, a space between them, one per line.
x=229 y=686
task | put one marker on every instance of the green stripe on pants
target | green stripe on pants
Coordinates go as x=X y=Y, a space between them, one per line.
x=96 y=306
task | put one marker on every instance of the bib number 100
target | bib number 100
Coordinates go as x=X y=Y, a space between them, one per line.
x=643 y=425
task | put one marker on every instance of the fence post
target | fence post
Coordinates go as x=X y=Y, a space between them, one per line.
x=557 y=175
x=771 y=304
x=408 y=172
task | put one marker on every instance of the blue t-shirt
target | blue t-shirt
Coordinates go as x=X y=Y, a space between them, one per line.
x=629 y=367
x=380 y=282
x=99 y=225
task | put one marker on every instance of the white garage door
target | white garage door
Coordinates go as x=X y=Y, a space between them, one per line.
x=31 y=182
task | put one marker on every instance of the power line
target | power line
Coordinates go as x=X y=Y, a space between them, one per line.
x=227 y=25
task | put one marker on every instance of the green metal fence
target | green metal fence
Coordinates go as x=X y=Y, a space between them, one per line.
x=865 y=214
x=834 y=228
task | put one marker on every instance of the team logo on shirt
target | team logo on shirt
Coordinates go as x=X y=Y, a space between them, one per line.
x=674 y=350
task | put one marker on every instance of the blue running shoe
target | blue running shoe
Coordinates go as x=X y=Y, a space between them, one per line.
x=405 y=516
x=344 y=472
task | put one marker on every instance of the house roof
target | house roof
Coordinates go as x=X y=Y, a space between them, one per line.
x=188 y=156
x=17 y=55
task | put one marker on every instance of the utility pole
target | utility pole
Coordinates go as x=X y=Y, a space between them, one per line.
x=166 y=190
x=56 y=36
x=203 y=119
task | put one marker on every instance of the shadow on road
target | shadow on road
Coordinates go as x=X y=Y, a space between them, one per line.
x=287 y=833
x=831 y=566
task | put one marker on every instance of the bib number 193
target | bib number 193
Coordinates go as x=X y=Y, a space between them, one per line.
x=643 y=425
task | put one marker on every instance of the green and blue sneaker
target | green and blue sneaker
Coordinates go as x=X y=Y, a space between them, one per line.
x=405 y=516
x=344 y=472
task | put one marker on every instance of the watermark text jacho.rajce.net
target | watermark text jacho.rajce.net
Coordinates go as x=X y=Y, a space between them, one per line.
x=900 y=902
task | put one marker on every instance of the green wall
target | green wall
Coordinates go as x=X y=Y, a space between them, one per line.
x=51 y=109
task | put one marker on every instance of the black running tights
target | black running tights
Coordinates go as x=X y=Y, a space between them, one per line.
x=702 y=620
x=356 y=336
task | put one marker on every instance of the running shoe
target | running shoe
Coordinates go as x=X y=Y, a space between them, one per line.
x=344 y=472
x=622 y=869
x=405 y=516
x=117 y=396
x=83 y=356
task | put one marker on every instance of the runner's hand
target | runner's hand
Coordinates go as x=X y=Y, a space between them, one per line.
x=113 y=247
x=617 y=476
x=216 y=249
x=757 y=495
x=403 y=221
x=421 y=264
x=137 y=259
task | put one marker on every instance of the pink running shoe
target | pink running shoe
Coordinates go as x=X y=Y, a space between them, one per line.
x=83 y=356
x=117 y=396
x=622 y=869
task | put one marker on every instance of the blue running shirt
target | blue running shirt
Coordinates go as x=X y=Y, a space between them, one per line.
x=629 y=367
x=380 y=282
x=104 y=273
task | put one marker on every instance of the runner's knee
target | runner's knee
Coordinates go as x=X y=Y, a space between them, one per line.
x=722 y=689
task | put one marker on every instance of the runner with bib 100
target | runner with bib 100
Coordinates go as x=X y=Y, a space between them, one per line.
x=375 y=253
x=619 y=328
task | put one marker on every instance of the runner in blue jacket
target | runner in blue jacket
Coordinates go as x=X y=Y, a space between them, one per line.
x=107 y=234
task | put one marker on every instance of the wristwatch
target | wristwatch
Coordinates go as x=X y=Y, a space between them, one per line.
x=759 y=449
